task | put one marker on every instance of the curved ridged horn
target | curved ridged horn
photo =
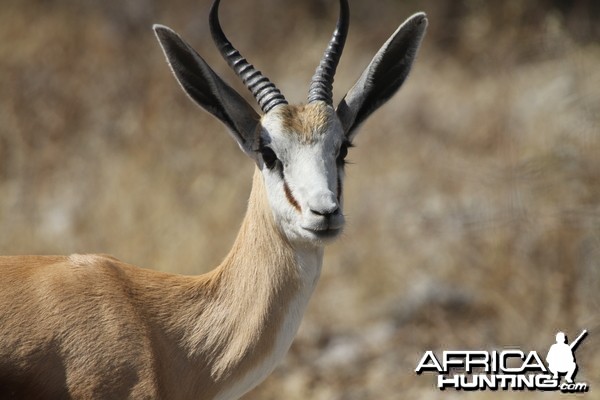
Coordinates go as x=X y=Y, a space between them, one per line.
x=264 y=91
x=321 y=86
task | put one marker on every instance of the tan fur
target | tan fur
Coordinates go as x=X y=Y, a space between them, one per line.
x=90 y=326
x=308 y=121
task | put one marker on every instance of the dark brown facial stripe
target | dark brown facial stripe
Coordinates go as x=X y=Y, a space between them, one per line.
x=290 y=197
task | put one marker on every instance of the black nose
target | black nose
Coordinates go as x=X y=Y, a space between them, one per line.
x=326 y=213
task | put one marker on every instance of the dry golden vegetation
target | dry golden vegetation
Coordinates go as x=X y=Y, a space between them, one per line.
x=473 y=199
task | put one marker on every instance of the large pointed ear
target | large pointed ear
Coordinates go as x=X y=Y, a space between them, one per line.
x=208 y=90
x=384 y=75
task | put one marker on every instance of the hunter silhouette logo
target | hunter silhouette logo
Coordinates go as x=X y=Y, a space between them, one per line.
x=509 y=369
x=560 y=357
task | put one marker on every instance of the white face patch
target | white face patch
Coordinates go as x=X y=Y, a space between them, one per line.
x=304 y=183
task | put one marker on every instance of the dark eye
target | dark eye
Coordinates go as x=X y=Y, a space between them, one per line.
x=343 y=153
x=269 y=157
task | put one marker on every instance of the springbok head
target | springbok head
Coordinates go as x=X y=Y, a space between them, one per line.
x=299 y=149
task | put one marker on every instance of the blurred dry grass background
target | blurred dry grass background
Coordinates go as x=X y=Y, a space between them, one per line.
x=473 y=201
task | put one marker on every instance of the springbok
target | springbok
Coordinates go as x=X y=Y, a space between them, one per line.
x=92 y=327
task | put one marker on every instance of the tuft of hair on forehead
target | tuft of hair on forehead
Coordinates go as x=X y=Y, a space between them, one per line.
x=307 y=121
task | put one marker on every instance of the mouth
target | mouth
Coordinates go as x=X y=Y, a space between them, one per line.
x=324 y=234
